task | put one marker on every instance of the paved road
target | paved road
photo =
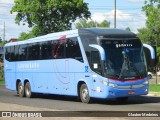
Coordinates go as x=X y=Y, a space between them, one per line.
x=141 y=103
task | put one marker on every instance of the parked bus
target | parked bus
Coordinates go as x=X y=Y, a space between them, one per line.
x=88 y=63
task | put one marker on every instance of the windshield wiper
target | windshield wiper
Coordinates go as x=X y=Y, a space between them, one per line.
x=126 y=65
x=113 y=76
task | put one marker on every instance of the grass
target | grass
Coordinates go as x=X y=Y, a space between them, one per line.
x=154 y=87
x=2 y=82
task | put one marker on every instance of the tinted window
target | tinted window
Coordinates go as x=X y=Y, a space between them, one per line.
x=16 y=50
x=7 y=53
x=22 y=52
x=46 y=50
x=58 y=49
x=73 y=49
x=33 y=51
x=12 y=53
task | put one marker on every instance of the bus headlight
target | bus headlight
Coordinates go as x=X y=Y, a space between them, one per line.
x=146 y=82
x=112 y=85
x=108 y=84
x=105 y=83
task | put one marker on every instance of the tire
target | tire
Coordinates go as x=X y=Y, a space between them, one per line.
x=84 y=94
x=28 y=91
x=20 y=90
x=122 y=99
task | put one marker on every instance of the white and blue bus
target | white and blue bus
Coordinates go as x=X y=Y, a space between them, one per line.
x=88 y=63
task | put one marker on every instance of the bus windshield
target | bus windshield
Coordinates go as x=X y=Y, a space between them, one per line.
x=124 y=59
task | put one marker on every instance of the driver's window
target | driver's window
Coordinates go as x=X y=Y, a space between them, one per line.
x=96 y=61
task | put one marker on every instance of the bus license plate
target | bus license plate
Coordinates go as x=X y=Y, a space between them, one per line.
x=131 y=92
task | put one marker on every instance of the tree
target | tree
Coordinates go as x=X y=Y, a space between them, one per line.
x=47 y=16
x=24 y=36
x=152 y=10
x=145 y=36
x=152 y=30
x=128 y=28
x=88 y=24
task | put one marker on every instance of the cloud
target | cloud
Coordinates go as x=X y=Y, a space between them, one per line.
x=99 y=17
x=7 y=1
x=136 y=1
x=124 y=20
x=12 y=30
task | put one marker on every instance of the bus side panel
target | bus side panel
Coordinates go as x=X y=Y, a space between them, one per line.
x=53 y=84
x=62 y=80
x=59 y=85
x=10 y=80
x=40 y=82
x=10 y=75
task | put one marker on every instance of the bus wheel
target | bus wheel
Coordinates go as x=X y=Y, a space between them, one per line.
x=84 y=94
x=122 y=99
x=20 y=90
x=27 y=88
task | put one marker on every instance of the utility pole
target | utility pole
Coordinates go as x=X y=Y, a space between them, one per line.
x=114 y=13
x=4 y=33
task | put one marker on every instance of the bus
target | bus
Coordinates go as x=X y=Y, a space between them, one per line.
x=87 y=63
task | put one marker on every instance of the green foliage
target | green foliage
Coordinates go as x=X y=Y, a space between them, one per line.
x=47 y=16
x=24 y=36
x=128 y=28
x=152 y=10
x=2 y=44
x=154 y=88
x=88 y=24
x=150 y=34
x=145 y=36
x=2 y=82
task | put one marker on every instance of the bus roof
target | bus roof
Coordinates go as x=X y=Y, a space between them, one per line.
x=106 y=32
x=51 y=36
x=109 y=32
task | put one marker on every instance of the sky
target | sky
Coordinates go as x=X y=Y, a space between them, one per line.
x=129 y=14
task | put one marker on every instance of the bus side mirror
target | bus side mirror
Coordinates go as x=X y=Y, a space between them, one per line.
x=150 y=54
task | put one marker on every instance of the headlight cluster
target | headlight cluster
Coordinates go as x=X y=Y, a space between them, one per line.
x=124 y=87
x=108 y=84
x=146 y=82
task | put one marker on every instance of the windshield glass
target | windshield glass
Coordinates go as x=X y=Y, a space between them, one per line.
x=124 y=59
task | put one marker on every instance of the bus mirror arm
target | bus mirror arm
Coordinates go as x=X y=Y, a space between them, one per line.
x=100 y=49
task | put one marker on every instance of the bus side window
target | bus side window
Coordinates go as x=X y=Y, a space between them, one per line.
x=7 y=53
x=12 y=54
x=16 y=52
x=22 y=52
x=58 y=51
x=95 y=61
x=45 y=49
x=29 y=55
x=73 y=49
x=33 y=51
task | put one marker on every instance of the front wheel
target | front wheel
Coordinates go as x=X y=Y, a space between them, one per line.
x=28 y=91
x=84 y=94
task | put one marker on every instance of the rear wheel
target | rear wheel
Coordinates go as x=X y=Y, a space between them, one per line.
x=20 y=90
x=28 y=91
x=84 y=94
